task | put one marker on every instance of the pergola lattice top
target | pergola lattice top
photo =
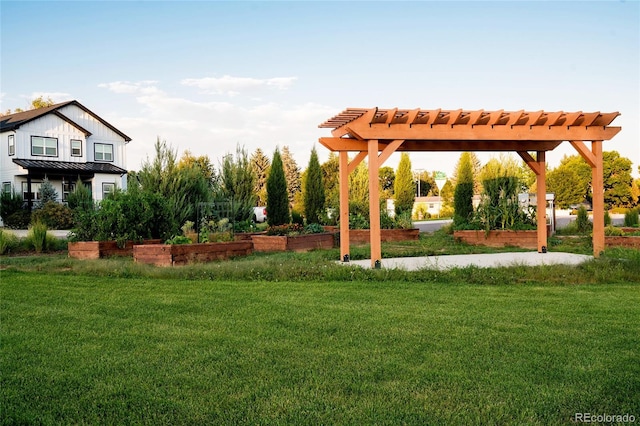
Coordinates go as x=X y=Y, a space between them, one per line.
x=471 y=118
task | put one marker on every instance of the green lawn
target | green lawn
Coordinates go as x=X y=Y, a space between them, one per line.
x=138 y=345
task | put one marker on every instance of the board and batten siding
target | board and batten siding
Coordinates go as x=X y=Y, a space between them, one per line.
x=54 y=127
x=99 y=134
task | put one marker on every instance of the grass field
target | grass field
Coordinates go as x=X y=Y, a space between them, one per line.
x=112 y=342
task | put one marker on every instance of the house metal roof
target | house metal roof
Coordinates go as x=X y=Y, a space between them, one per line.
x=64 y=166
x=14 y=121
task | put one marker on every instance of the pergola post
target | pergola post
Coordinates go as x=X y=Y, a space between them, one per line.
x=597 y=178
x=374 y=205
x=541 y=204
x=344 y=206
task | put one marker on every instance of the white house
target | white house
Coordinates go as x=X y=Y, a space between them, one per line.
x=64 y=142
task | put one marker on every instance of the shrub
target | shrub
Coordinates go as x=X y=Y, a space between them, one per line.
x=612 y=231
x=8 y=241
x=54 y=215
x=607 y=218
x=290 y=229
x=403 y=220
x=314 y=228
x=178 y=239
x=12 y=210
x=583 y=225
x=631 y=217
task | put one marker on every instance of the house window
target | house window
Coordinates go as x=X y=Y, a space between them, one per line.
x=35 y=191
x=12 y=145
x=47 y=147
x=6 y=187
x=108 y=189
x=103 y=152
x=76 y=148
x=67 y=187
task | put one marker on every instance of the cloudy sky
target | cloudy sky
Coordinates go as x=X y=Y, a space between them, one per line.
x=207 y=76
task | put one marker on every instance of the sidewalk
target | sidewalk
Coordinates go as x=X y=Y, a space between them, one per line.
x=492 y=260
x=22 y=233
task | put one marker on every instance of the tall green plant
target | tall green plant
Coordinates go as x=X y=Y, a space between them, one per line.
x=463 y=193
x=277 y=197
x=183 y=186
x=37 y=236
x=499 y=207
x=313 y=190
x=80 y=197
x=238 y=184
x=403 y=186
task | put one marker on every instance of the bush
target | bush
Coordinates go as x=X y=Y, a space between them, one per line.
x=54 y=215
x=8 y=242
x=631 y=217
x=607 y=218
x=12 y=210
x=583 y=225
x=178 y=239
x=18 y=220
x=612 y=231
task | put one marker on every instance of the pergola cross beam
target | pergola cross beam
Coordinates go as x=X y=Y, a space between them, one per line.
x=378 y=133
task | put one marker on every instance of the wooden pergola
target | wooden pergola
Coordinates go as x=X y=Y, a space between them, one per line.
x=378 y=133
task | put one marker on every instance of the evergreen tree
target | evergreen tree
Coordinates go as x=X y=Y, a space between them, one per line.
x=463 y=192
x=277 y=198
x=403 y=187
x=47 y=193
x=313 y=190
x=291 y=173
x=260 y=164
x=80 y=197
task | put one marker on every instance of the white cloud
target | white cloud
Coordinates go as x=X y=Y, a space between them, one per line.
x=141 y=87
x=214 y=128
x=232 y=86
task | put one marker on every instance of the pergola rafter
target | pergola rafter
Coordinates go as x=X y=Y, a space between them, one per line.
x=378 y=133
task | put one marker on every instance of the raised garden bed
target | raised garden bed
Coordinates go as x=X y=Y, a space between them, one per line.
x=305 y=242
x=99 y=249
x=182 y=254
x=622 y=241
x=499 y=238
x=362 y=236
